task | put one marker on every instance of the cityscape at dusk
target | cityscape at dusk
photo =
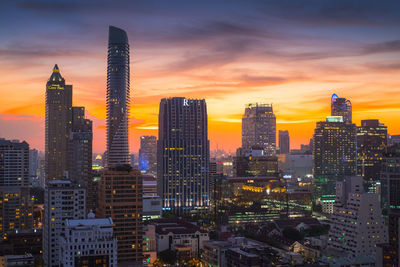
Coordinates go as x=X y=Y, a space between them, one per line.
x=294 y=55
x=199 y=133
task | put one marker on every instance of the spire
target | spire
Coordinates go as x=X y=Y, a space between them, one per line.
x=56 y=76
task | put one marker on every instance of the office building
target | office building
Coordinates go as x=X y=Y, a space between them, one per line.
x=334 y=154
x=58 y=122
x=341 y=107
x=16 y=204
x=118 y=91
x=149 y=244
x=62 y=200
x=80 y=155
x=152 y=207
x=120 y=197
x=284 y=142
x=393 y=140
x=88 y=242
x=183 y=154
x=148 y=154
x=259 y=128
x=357 y=225
x=390 y=199
x=371 y=144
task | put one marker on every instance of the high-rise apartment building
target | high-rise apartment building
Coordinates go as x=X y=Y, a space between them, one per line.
x=16 y=205
x=183 y=154
x=371 y=144
x=80 y=155
x=341 y=107
x=357 y=225
x=62 y=200
x=58 y=122
x=334 y=154
x=284 y=142
x=148 y=154
x=88 y=242
x=259 y=128
x=120 y=197
x=118 y=91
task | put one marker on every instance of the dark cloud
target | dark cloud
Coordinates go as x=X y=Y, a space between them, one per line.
x=383 y=47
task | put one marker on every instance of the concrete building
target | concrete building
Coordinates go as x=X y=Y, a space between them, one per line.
x=62 y=200
x=214 y=251
x=296 y=165
x=357 y=225
x=26 y=260
x=149 y=244
x=173 y=234
x=183 y=155
x=88 y=242
x=255 y=164
x=284 y=142
x=120 y=197
x=152 y=207
x=259 y=128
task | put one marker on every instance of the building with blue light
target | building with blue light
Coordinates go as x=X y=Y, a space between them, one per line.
x=341 y=107
x=148 y=154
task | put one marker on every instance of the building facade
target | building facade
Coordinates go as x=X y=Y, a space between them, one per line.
x=118 y=92
x=259 y=128
x=357 y=225
x=371 y=145
x=341 y=107
x=120 y=197
x=183 y=154
x=62 y=200
x=148 y=154
x=334 y=154
x=16 y=207
x=88 y=242
x=284 y=142
x=80 y=155
x=58 y=122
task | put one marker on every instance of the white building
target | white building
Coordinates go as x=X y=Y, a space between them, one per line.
x=88 y=242
x=357 y=225
x=175 y=234
x=62 y=201
x=152 y=207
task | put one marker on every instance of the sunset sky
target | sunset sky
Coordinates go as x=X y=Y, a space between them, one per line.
x=294 y=54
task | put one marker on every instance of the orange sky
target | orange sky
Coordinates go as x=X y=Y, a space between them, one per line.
x=296 y=66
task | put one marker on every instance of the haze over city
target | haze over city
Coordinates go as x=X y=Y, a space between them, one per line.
x=294 y=55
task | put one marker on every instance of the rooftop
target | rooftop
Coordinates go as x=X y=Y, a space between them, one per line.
x=89 y=222
x=175 y=226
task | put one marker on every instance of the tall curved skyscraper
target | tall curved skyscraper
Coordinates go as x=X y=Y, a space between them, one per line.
x=117 y=97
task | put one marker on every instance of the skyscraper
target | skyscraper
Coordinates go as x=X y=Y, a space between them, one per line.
x=148 y=154
x=183 y=154
x=341 y=107
x=58 y=122
x=259 y=128
x=371 y=144
x=118 y=91
x=16 y=205
x=334 y=153
x=80 y=154
x=284 y=142
x=121 y=198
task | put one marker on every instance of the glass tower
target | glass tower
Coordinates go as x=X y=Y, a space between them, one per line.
x=341 y=107
x=117 y=97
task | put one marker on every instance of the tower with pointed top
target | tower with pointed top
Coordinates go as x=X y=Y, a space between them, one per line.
x=58 y=123
x=118 y=91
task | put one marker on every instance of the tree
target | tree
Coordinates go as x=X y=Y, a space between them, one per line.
x=292 y=233
x=168 y=256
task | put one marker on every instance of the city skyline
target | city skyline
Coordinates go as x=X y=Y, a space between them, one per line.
x=224 y=61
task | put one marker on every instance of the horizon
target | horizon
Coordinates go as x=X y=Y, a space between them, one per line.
x=293 y=56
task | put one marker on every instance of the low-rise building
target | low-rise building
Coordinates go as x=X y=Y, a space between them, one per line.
x=171 y=234
x=214 y=251
x=26 y=260
x=152 y=207
x=149 y=245
x=88 y=242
